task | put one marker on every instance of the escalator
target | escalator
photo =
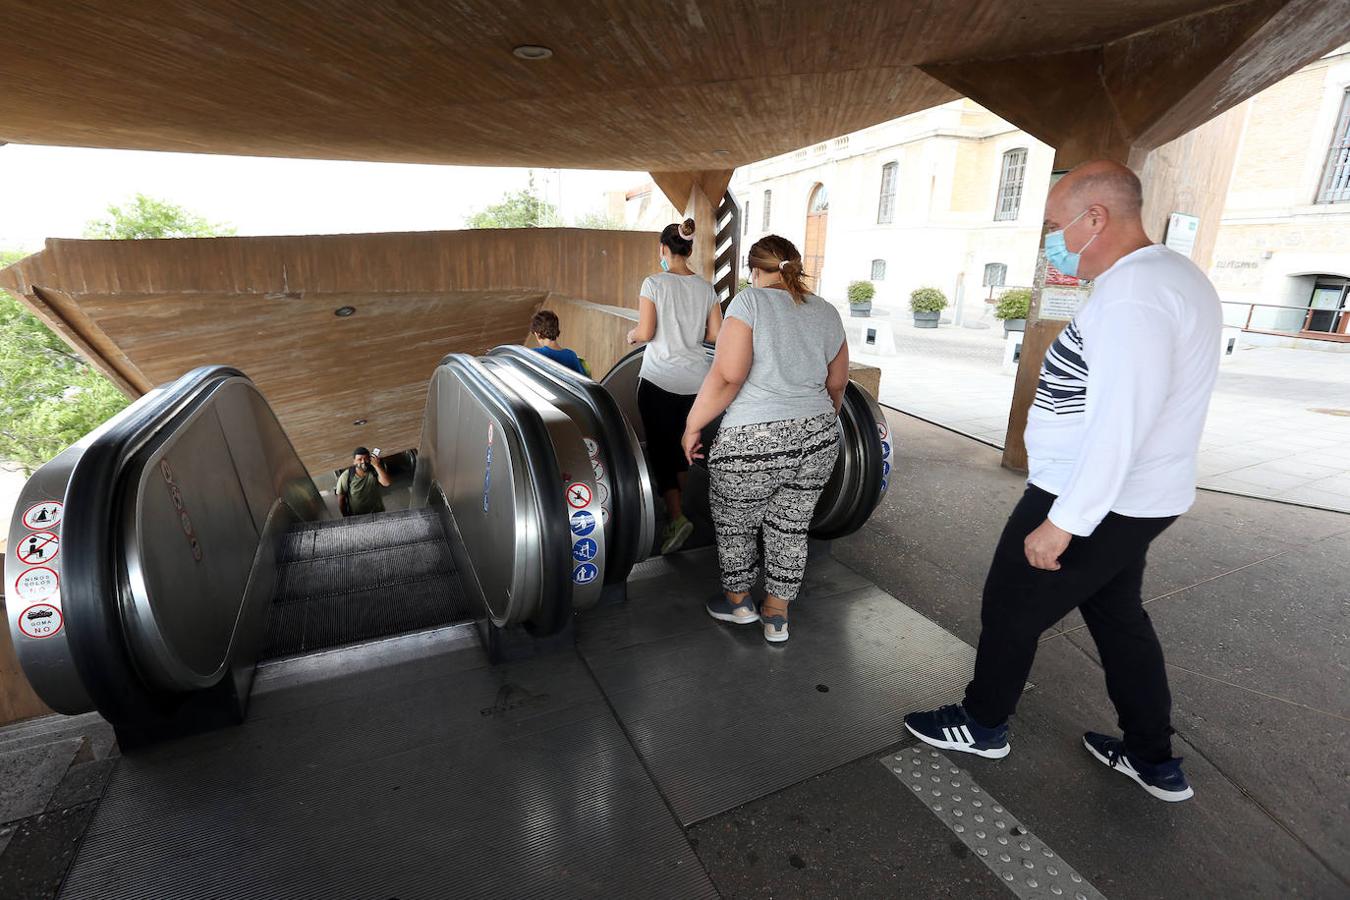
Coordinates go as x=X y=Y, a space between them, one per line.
x=187 y=544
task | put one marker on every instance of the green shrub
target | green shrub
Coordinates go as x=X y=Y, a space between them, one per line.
x=861 y=291
x=1014 y=304
x=927 y=299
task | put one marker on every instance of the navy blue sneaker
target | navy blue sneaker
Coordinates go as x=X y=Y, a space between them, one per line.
x=1164 y=780
x=951 y=728
x=724 y=610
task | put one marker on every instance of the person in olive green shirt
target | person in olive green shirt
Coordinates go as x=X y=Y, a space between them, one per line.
x=359 y=489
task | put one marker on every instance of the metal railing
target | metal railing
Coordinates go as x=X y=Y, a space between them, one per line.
x=1281 y=318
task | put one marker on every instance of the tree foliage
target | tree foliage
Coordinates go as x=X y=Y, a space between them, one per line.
x=49 y=396
x=518 y=209
x=601 y=222
x=147 y=217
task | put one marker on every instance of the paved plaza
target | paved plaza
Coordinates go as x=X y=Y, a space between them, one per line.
x=1278 y=425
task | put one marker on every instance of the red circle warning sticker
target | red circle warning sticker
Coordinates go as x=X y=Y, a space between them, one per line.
x=41 y=620
x=883 y=430
x=39 y=547
x=37 y=584
x=43 y=515
x=578 y=495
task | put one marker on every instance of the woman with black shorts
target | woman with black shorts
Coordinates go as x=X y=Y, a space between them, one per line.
x=677 y=312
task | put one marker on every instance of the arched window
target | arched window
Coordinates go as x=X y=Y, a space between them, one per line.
x=878 y=270
x=1009 y=202
x=886 y=205
x=820 y=200
x=817 y=217
x=768 y=201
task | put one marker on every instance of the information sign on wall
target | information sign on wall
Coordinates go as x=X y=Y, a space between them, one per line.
x=1181 y=231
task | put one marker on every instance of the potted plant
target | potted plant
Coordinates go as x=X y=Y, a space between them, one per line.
x=860 y=294
x=927 y=304
x=1012 y=309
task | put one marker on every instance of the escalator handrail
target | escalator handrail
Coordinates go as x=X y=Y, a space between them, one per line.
x=615 y=445
x=541 y=466
x=91 y=584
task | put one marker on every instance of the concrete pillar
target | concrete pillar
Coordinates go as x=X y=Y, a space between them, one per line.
x=699 y=194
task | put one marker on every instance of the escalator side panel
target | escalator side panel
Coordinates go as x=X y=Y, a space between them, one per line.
x=616 y=456
x=489 y=452
x=190 y=541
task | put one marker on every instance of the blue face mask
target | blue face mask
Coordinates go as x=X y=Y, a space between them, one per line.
x=665 y=264
x=1059 y=254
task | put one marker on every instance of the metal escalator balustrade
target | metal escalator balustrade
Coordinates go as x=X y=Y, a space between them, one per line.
x=622 y=480
x=509 y=472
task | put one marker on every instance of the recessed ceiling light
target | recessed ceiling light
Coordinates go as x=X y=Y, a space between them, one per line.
x=721 y=152
x=343 y=312
x=359 y=422
x=532 y=52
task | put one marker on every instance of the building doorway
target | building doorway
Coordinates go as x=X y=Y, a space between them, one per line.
x=817 y=215
x=1327 y=307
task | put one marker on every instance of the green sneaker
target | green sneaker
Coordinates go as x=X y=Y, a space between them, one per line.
x=676 y=534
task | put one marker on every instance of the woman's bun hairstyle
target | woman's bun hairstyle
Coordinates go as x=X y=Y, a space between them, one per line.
x=772 y=253
x=679 y=237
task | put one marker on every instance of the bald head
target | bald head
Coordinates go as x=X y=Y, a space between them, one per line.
x=1106 y=183
x=1098 y=206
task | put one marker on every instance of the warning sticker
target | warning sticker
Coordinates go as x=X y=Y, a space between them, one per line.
x=604 y=515
x=578 y=495
x=585 y=573
x=592 y=448
x=583 y=523
x=885 y=450
x=38 y=547
x=37 y=584
x=603 y=490
x=598 y=469
x=584 y=550
x=44 y=515
x=883 y=430
x=41 y=620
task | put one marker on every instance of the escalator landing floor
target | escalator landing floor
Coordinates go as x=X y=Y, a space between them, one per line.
x=431 y=777
x=412 y=768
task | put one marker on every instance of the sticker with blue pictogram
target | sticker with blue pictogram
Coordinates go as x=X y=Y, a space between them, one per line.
x=885 y=469
x=883 y=485
x=885 y=448
x=585 y=573
x=584 y=550
x=583 y=523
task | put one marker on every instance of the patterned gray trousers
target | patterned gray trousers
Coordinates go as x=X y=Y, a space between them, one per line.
x=769 y=475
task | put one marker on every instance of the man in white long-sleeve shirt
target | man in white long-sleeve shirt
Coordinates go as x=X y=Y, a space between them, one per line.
x=1111 y=439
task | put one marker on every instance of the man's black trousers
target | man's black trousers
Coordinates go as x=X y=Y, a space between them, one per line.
x=1102 y=576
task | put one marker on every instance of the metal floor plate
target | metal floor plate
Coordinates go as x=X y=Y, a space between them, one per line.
x=432 y=777
x=721 y=717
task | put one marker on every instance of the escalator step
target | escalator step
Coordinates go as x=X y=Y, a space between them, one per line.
x=310 y=539
x=359 y=615
x=360 y=569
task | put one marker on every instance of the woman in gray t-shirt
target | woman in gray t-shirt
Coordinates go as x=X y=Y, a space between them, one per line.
x=780 y=373
x=677 y=312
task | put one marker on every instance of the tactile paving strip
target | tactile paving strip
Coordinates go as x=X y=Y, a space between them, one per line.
x=1022 y=861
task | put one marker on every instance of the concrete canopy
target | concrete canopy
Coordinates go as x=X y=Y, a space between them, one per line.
x=645 y=84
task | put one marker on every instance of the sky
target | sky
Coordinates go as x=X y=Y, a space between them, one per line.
x=55 y=191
